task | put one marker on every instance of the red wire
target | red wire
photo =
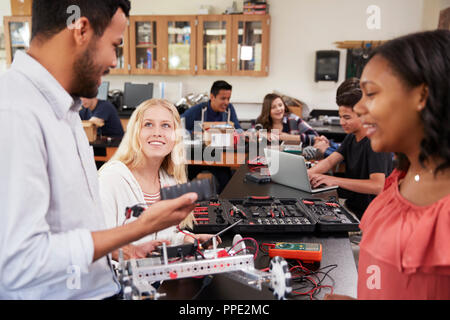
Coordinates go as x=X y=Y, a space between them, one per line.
x=187 y=234
x=251 y=239
x=316 y=287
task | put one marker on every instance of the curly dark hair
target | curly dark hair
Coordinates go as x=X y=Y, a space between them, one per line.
x=264 y=118
x=349 y=93
x=424 y=58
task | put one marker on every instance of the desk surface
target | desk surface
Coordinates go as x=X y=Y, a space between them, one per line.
x=330 y=131
x=336 y=250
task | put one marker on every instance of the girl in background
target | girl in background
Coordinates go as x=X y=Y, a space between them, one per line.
x=283 y=125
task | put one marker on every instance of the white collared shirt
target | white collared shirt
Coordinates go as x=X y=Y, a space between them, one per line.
x=49 y=199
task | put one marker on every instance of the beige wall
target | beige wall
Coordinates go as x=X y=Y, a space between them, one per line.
x=299 y=28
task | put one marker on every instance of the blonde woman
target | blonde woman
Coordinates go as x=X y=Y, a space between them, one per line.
x=150 y=157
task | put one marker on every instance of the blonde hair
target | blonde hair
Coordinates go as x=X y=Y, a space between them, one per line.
x=130 y=149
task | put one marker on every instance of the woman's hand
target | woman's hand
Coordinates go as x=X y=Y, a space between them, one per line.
x=321 y=143
x=201 y=238
x=131 y=251
x=273 y=135
x=142 y=250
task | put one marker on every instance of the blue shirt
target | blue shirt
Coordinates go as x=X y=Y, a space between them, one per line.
x=106 y=111
x=49 y=192
x=195 y=114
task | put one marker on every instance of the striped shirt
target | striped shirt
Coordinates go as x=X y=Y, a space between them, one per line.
x=151 y=198
x=293 y=124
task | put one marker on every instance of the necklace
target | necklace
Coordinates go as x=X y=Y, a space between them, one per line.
x=417 y=176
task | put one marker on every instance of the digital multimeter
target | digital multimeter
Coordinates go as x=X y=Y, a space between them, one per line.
x=307 y=252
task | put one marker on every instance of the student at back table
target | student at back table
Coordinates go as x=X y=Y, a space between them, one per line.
x=365 y=170
x=217 y=109
x=104 y=115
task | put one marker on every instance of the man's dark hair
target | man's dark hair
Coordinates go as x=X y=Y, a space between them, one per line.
x=220 y=85
x=49 y=17
x=349 y=93
x=424 y=58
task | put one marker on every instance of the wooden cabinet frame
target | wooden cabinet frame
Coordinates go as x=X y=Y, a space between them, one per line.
x=8 y=43
x=159 y=63
x=265 y=25
x=162 y=46
x=197 y=56
x=126 y=54
x=165 y=49
x=200 y=55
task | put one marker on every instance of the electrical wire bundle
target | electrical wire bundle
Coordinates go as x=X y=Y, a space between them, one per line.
x=310 y=282
x=254 y=249
x=305 y=281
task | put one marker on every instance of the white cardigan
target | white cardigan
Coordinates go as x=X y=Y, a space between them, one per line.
x=119 y=189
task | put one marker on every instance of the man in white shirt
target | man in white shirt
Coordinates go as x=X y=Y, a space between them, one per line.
x=52 y=241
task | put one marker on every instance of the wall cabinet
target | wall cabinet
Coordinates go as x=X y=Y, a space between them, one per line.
x=202 y=45
x=162 y=44
x=236 y=45
x=214 y=45
x=17 y=35
x=250 y=45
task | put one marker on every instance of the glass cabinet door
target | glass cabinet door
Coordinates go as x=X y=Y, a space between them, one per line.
x=214 y=36
x=249 y=45
x=180 y=45
x=123 y=56
x=144 y=38
x=17 y=35
x=251 y=50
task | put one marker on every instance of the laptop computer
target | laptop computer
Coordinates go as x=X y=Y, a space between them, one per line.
x=290 y=170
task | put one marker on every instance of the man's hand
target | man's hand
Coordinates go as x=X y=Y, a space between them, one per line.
x=159 y=216
x=97 y=121
x=167 y=213
x=321 y=179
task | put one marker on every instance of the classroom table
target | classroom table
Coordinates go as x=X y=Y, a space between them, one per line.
x=334 y=132
x=336 y=251
x=104 y=148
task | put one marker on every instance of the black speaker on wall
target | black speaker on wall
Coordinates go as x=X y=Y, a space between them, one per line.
x=327 y=65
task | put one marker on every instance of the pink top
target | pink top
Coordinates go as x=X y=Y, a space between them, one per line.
x=405 y=248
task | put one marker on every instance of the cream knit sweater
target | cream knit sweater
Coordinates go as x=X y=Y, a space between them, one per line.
x=119 y=189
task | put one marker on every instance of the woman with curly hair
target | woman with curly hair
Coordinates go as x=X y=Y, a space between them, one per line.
x=404 y=252
x=150 y=157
